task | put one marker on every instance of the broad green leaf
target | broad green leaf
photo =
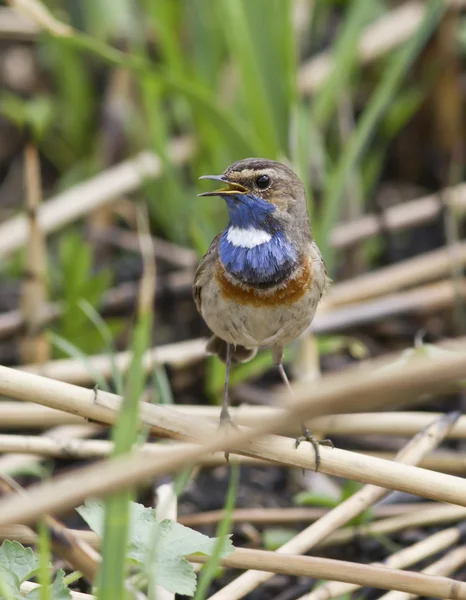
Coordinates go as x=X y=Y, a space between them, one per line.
x=19 y=560
x=57 y=591
x=9 y=585
x=173 y=542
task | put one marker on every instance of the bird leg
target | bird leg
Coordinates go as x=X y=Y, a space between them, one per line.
x=307 y=436
x=225 y=417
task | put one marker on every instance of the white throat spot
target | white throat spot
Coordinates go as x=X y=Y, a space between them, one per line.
x=247 y=238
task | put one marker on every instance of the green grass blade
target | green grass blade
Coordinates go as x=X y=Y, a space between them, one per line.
x=378 y=104
x=208 y=572
x=239 y=36
x=344 y=61
x=124 y=435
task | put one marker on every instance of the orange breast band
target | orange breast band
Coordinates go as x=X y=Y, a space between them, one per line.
x=289 y=293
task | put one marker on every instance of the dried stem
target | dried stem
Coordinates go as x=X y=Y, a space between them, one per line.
x=413 y=452
x=34 y=346
x=398 y=560
x=449 y=563
x=330 y=394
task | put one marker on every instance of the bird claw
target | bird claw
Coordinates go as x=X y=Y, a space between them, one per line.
x=226 y=421
x=308 y=437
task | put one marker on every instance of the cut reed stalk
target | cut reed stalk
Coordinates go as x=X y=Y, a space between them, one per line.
x=86 y=197
x=432 y=515
x=178 y=354
x=398 y=560
x=365 y=386
x=34 y=345
x=448 y=564
x=412 y=453
x=326 y=568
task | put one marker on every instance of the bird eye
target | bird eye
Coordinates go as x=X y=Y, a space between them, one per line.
x=263 y=181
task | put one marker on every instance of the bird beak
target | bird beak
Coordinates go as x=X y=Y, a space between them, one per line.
x=232 y=188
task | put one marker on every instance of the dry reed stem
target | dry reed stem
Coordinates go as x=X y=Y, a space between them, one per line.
x=366 y=387
x=444 y=461
x=34 y=345
x=178 y=354
x=406 y=273
x=422 y=299
x=22 y=415
x=258 y=516
x=326 y=568
x=448 y=564
x=432 y=515
x=14 y=26
x=82 y=449
x=387 y=33
x=399 y=217
x=14 y=463
x=398 y=560
x=261 y=516
x=412 y=453
x=82 y=199
x=15 y=415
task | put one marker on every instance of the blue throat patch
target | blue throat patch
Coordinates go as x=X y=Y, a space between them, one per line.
x=266 y=264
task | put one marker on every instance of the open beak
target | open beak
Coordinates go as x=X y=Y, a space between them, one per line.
x=231 y=188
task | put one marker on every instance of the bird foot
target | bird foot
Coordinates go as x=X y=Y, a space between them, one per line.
x=226 y=422
x=308 y=437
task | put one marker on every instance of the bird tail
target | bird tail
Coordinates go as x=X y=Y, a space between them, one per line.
x=239 y=354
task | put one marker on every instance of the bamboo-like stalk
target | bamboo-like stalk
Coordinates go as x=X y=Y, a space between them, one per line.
x=433 y=515
x=396 y=218
x=407 y=273
x=34 y=345
x=325 y=568
x=14 y=463
x=25 y=415
x=444 y=461
x=13 y=25
x=82 y=449
x=387 y=33
x=330 y=394
x=398 y=560
x=178 y=354
x=422 y=299
x=448 y=564
x=257 y=516
x=412 y=453
x=82 y=199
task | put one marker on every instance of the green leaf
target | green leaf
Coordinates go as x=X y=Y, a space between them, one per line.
x=57 y=591
x=18 y=560
x=274 y=537
x=173 y=542
x=313 y=499
x=9 y=585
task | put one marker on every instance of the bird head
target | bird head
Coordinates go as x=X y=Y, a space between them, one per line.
x=262 y=193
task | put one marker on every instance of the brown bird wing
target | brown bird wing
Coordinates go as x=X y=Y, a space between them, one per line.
x=204 y=270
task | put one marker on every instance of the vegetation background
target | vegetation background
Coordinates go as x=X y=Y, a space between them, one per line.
x=110 y=110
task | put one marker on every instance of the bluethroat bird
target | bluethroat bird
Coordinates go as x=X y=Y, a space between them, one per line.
x=261 y=279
